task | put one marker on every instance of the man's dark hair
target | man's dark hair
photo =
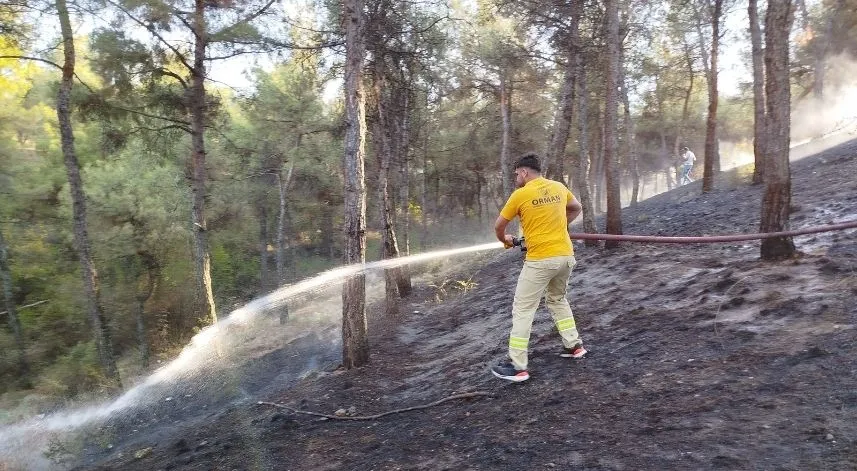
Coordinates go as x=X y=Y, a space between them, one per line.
x=529 y=160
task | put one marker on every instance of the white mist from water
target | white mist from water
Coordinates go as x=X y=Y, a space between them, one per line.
x=22 y=445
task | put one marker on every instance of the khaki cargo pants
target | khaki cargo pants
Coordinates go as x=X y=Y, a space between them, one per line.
x=549 y=278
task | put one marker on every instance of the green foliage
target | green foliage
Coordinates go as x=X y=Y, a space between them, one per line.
x=76 y=372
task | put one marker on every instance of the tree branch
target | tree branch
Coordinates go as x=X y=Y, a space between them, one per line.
x=376 y=416
x=162 y=128
x=287 y=45
x=25 y=307
x=33 y=59
x=49 y=63
x=234 y=54
x=152 y=30
x=142 y=113
x=244 y=21
x=92 y=91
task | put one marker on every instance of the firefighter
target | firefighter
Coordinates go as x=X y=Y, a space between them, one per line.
x=545 y=208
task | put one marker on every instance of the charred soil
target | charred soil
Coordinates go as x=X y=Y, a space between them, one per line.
x=701 y=357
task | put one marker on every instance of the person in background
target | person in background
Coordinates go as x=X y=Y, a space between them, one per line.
x=545 y=208
x=688 y=158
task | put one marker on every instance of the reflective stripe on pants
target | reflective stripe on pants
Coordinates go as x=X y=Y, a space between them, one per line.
x=548 y=278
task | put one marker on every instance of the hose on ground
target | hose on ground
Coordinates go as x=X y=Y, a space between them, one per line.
x=712 y=239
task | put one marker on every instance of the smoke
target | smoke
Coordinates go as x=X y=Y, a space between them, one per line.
x=735 y=154
x=835 y=112
x=817 y=123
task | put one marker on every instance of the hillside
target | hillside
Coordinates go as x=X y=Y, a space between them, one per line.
x=701 y=357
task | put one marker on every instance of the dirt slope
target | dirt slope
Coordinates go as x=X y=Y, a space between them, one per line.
x=701 y=357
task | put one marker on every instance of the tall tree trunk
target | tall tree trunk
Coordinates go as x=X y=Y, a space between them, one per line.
x=665 y=153
x=153 y=275
x=14 y=320
x=403 y=273
x=426 y=183
x=355 y=339
x=555 y=152
x=611 y=164
x=400 y=143
x=383 y=146
x=712 y=148
x=75 y=182
x=580 y=164
x=565 y=110
x=596 y=159
x=206 y=313
x=685 y=111
x=819 y=50
x=264 y=269
x=405 y=169
x=283 y=183
x=505 y=142
x=758 y=93
x=630 y=140
x=818 y=47
x=668 y=174
x=328 y=228
x=777 y=198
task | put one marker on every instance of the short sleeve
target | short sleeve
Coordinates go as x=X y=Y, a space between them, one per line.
x=510 y=210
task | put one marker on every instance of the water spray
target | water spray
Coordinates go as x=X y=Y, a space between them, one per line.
x=22 y=444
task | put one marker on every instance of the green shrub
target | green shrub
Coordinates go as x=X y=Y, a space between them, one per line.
x=75 y=372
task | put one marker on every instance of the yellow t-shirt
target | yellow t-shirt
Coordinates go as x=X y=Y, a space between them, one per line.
x=541 y=206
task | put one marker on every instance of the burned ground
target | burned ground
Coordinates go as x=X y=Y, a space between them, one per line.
x=701 y=357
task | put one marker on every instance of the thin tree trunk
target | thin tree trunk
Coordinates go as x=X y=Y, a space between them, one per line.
x=283 y=183
x=101 y=331
x=153 y=275
x=206 y=313
x=505 y=143
x=665 y=151
x=712 y=151
x=11 y=311
x=401 y=156
x=565 y=110
x=596 y=159
x=264 y=271
x=327 y=241
x=403 y=273
x=818 y=46
x=758 y=93
x=777 y=198
x=405 y=173
x=355 y=340
x=611 y=165
x=383 y=146
x=630 y=141
x=685 y=111
x=580 y=165
x=424 y=194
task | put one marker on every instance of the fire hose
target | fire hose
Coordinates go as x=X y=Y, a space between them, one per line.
x=702 y=239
